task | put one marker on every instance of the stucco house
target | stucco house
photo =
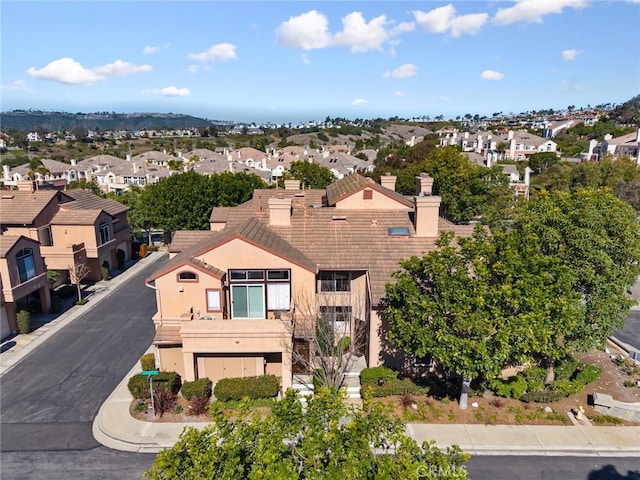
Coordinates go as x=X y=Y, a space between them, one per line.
x=23 y=280
x=72 y=227
x=626 y=145
x=227 y=296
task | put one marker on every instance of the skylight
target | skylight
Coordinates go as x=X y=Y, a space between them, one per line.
x=398 y=231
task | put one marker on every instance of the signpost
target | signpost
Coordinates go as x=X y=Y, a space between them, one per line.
x=151 y=374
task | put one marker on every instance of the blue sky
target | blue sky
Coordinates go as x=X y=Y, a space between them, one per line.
x=294 y=61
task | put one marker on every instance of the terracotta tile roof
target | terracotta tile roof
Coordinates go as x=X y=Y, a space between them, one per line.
x=7 y=242
x=200 y=265
x=75 y=217
x=87 y=200
x=354 y=183
x=167 y=335
x=22 y=208
x=184 y=239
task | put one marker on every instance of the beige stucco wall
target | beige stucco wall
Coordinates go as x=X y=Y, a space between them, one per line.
x=178 y=297
x=378 y=201
x=171 y=360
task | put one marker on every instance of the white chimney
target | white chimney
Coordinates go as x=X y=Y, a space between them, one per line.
x=74 y=162
x=424 y=184
x=128 y=157
x=426 y=215
x=135 y=168
x=388 y=181
x=280 y=211
x=6 y=172
x=489 y=159
x=527 y=176
x=510 y=135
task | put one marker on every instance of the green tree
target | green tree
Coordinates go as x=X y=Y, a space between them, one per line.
x=539 y=162
x=328 y=440
x=35 y=168
x=311 y=175
x=90 y=186
x=445 y=304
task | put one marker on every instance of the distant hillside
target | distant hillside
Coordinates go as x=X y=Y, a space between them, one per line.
x=628 y=113
x=56 y=121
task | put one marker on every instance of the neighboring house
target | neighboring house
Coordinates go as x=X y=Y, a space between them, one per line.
x=225 y=297
x=23 y=280
x=626 y=145
x=72 y=227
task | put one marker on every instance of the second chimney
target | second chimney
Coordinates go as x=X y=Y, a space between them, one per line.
x=424 y=185
x=292 y=184
x=426 y=215
x=388 y=181
x=280 y=211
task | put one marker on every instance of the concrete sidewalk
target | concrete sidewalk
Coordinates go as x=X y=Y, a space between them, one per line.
x=115 y=428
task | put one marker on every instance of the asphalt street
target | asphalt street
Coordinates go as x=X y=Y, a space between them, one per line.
x=630 y=333
x=49 y=400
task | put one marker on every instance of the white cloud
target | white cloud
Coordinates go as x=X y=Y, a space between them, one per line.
x=403 y=71
x=437 y=20
x=469 y=24
x=149 y=50
x=491 y=75
x=359 y=101
x=305 y=59
x=121 y=69
x=571 y=54
x=65 y=70
x=307 y=31
x=15 y=85
x=398 y=93
x=193 y=68
x=169 y=91
x=530 y=11
x=444 y=19
x=404 y=27
x=361 y=36
x=221 y=51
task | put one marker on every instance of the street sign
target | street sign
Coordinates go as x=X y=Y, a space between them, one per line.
x=149 y=373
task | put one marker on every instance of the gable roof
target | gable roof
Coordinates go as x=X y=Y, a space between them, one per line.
x=347 y=186
x=86 y=200
x=22 y=208
x=76 y=217
x=183 y=239
x=7 y=242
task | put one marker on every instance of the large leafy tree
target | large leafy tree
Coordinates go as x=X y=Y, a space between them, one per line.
x=327 y=440
x=310 y=174
x=446 y=305
x=184 y=201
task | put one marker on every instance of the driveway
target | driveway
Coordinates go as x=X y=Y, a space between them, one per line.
x=49 y=400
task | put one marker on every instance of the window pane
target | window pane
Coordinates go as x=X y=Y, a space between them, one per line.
x=278 y=296
x=238 y=274
x=256 y=275
x=256 y=301
x=187 y=276
x=278 y=275
x=240 y=307
x=213 y=300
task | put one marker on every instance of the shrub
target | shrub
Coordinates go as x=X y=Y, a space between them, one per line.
x=393 y=387
x=375 y=374
x=265 y=386
x=199 y=405
x=588 y=374
x=542 y=396
x=513 y=387
x=565 y=387
x=23 y=319
x=565 y=369
x=81 y=302
x=535 y=375
x=200 y=388
x=602 y=419
x=164 y=400
x=138 y=385
x=148 y=361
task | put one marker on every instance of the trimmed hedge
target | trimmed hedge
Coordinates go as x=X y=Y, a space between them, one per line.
x=514 y=387
x=394 y=386
x=138 y=385
x=377 y=374
x=264 y=386
x=200 y=388
x=148 y=361
x=23 y=319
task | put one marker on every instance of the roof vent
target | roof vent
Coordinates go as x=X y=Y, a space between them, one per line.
x=398 y=231
x=7 y=197
x=336 y=218
x=301 y=194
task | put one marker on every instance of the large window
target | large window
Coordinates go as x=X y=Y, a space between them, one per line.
x=104 y=232
x=26 y=264
x=44 y=236
x=335 y=282
x=254 y=292
x=213 y=300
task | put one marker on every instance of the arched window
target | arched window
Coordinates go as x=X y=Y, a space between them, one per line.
x=103 y=226
x=26 y=265
x=187 y=277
